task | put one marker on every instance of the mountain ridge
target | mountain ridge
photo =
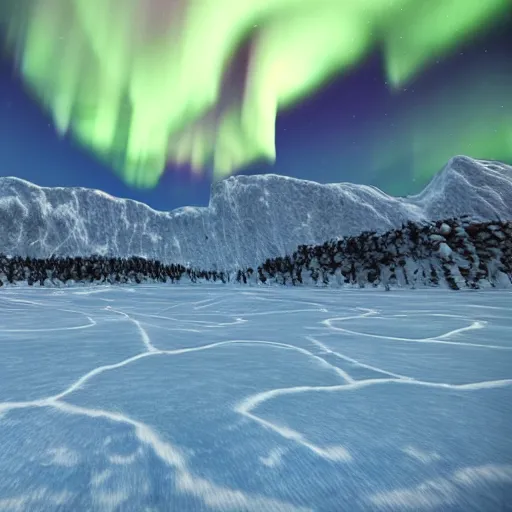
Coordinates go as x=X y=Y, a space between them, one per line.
x=248 y=218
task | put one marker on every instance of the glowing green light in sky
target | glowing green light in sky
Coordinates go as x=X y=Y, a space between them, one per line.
x=471 y=115
x=141 y=82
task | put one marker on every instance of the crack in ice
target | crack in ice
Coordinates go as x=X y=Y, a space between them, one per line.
x=212 y=494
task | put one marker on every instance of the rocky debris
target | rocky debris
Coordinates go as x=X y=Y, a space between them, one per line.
x=458 y=253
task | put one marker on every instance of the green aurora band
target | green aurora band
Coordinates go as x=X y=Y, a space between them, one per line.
x=471 y=115
x=143 y=82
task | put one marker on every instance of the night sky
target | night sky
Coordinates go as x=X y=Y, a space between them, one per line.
x=355 y=128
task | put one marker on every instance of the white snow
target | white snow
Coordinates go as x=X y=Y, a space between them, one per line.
x=445 y=250
x=254 y=398
x=249 y=218
x=445 y=229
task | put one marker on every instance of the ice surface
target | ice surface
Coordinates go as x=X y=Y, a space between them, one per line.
x=223 y=398
x=249 y=218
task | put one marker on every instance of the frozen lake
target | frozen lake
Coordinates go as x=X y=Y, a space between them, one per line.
x=198 y=398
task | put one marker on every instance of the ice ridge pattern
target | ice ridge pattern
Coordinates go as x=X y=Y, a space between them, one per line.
x=218 y=398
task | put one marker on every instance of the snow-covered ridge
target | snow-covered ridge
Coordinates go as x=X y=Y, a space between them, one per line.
x=248 y=219
x=453 y=253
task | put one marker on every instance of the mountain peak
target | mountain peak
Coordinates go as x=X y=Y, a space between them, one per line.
x=249 y=218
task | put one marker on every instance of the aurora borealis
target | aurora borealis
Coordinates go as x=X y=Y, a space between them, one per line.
x=469 y=114
x=141 y=83
x=356 y=122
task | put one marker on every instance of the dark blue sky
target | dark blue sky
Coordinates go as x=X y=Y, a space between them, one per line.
x=329 y=137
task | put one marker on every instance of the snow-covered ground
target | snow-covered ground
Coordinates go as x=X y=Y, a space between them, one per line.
x=185 y=398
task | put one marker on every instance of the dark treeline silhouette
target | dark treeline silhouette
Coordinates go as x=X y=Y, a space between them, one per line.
x=97 y=269
x=458 y=253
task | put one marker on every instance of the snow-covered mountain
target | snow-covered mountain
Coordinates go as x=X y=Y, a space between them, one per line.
x=249 y=218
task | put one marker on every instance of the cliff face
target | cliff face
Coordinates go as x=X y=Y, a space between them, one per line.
x=249 y=218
